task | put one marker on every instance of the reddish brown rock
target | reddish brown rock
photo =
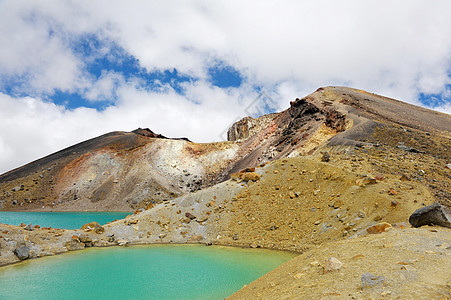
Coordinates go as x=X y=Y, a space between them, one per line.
x=251 y=176
x=379 y=228
x=392 y=192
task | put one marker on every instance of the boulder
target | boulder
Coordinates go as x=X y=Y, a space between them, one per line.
x=332 y=264
x=74 y=244
x=251 y=176
x=22 y=252
x=378 y=228
x=93 y=226
x=84 y=238
x=434 y=214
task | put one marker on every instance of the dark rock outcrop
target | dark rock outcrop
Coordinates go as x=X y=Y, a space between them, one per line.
x=148 y=133
x=434 y=214
x=22 y=252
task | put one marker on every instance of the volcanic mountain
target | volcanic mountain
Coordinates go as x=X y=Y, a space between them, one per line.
x=131 y=170
x=334 y=178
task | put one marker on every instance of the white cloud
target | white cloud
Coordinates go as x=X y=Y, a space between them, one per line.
x=32 y=128
x=104 y=87
x=289 y=48
x=30 y=53
x=376 y=45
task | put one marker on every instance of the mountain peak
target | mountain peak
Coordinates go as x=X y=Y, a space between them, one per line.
x=131 y=170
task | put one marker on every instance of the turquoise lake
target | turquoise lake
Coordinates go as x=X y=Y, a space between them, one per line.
x=139 y=272
x=64 y=220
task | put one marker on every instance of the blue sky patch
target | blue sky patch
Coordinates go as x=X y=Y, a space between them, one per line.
x=101 y=56
x=75 y=100
x=224 y=76
x=435 y=100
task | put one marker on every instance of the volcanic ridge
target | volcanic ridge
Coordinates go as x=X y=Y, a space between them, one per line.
x=334 y=178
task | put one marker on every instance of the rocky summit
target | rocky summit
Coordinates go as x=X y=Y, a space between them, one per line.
x=336 y=178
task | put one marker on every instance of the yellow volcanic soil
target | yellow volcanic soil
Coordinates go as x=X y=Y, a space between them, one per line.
x=318 y=209
x=299 y=202
x=415 y=262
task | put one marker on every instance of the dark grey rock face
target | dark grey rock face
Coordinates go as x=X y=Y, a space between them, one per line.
x=22 y=252
x=434 y=214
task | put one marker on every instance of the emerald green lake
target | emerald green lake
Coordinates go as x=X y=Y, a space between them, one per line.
x=139 y=272
x=64 y=220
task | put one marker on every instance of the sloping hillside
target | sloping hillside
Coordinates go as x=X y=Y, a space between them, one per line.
x=128 y=171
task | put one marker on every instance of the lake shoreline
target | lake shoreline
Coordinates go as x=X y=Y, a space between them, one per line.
x=185 y=271
x=146 y=244
x=54 y=241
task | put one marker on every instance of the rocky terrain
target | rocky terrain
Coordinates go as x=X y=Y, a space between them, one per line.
x=125 y=171
x=334 y=178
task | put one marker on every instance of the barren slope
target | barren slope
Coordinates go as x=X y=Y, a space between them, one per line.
x=320 y=208
x=127 y=171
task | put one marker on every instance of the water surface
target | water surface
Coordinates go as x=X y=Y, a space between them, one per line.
x=139 y=272
x=64 y=220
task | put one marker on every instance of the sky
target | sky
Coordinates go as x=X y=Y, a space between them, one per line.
x=73 y=70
